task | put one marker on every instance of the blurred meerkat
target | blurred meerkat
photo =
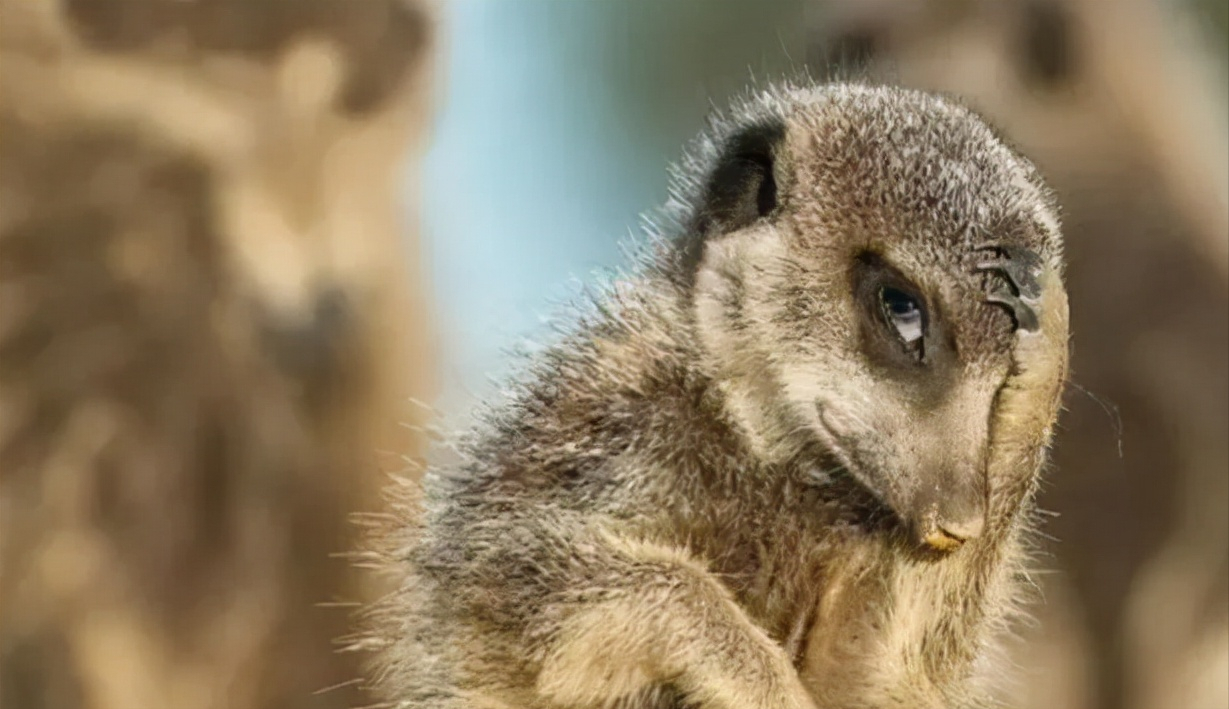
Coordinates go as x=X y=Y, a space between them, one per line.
x=205 y=319
x=787 y=462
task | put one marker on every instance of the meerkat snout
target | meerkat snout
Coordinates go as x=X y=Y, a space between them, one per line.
x=952 y=511
x=954 y=519
x=931 y=473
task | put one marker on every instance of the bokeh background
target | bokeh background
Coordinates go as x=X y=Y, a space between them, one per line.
x=238 y=237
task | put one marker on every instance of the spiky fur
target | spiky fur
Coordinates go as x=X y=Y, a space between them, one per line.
x=653 y=519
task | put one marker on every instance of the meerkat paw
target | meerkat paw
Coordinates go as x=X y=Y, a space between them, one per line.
x=1021 y=288
x=763 y=680
x=588 y=674
x=1034 y=294
x=791 y=695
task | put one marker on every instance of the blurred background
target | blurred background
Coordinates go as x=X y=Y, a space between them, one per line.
x=240 y=238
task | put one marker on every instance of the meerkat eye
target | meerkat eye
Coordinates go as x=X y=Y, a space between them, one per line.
x=894 y=316
x=904 y=314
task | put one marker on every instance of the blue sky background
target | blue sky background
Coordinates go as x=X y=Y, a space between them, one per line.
x=557 y=122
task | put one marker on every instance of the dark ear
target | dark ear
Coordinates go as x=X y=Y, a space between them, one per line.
x=742 y=187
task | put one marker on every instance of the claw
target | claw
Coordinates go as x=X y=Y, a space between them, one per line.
x=1021 y=268
x=1021 y=311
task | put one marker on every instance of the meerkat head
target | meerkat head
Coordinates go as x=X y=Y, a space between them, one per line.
x=860 y=262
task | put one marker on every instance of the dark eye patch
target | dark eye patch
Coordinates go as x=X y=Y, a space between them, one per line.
x=902 y=334
x=895 y=317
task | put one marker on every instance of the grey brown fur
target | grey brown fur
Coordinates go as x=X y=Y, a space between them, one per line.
x=729 y=486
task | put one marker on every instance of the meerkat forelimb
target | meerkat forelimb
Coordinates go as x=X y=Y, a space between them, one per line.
x=664 y=615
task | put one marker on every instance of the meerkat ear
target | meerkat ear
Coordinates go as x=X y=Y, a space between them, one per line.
x=742 y=187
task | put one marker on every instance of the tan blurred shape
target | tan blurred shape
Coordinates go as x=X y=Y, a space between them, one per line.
x=1122 y=105
x=211 y=326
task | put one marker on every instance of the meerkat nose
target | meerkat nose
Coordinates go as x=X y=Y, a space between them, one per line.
x=951 y=534
x=941 y=541
x=965 y=529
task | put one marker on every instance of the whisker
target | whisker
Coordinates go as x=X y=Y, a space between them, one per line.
x=1110 y=409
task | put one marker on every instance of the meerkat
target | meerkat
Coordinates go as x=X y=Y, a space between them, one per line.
x=209 y=332
x=786 y=462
